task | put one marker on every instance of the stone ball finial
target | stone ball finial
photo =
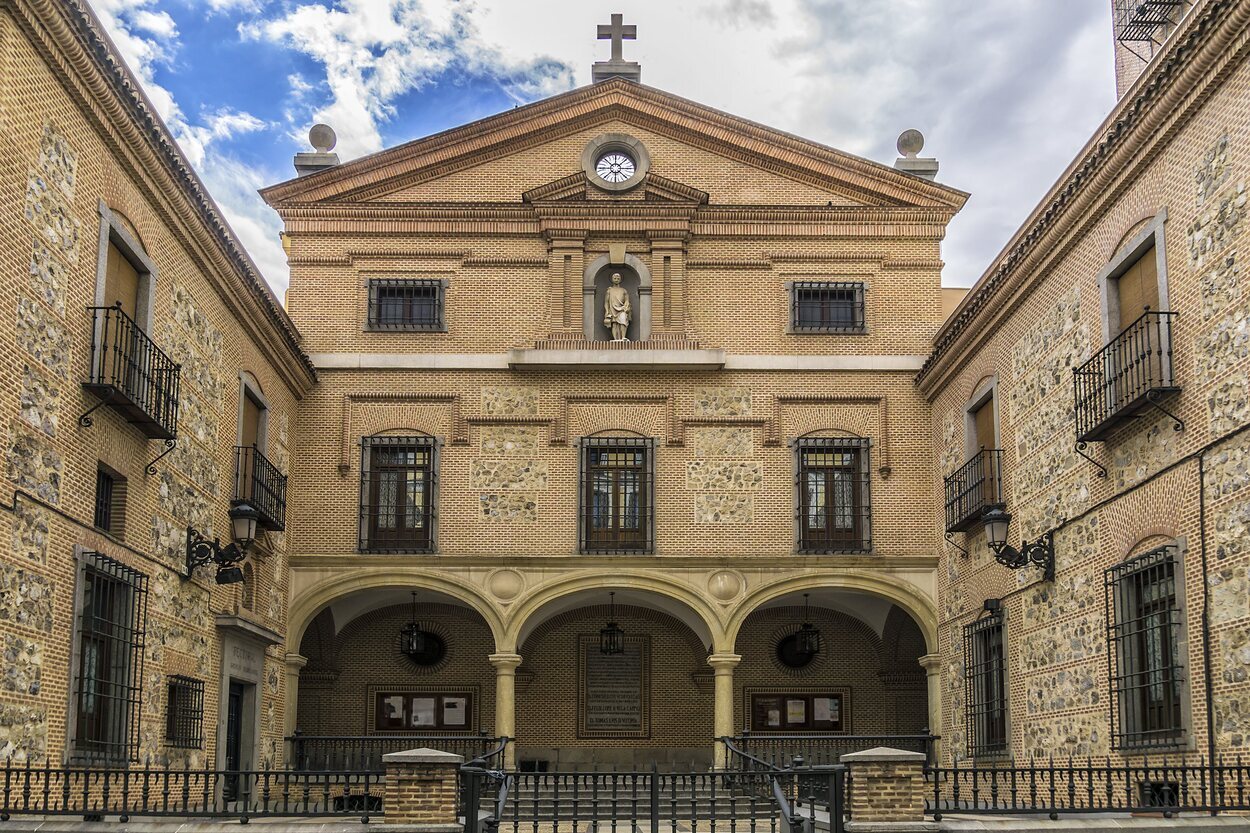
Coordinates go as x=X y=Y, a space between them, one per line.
x=322 y=138
x=910 y=143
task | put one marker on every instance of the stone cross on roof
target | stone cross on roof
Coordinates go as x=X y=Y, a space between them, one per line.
x=617 y=33
x=616 y=66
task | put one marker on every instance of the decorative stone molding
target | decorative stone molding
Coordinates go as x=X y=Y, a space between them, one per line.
x=559 y=432
x=772 y=434
x=459 y=428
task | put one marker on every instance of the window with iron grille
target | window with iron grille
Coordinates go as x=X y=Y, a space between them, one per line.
x=184 y=712
x=398 y=494
x=617 y=494
x=985 y=676
x=406 y=304
x=834 y=506
x=110 y=660
x=1144 y=661
x=827 y=307
x=110 y=501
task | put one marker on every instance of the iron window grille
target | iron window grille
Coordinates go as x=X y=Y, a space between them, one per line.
x=398 y=494
x=184 y=712
x=827 y=307
x=406 y=304
x=985 y=678
x=110 y=661
x=617 y=493
x=1144 y=661
x=834 y=500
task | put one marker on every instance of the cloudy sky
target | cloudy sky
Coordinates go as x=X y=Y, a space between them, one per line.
x=1005 y=91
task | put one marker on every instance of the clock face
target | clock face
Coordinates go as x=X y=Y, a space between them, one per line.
x=615 y=167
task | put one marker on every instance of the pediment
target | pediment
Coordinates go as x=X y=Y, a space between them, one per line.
x=577 y=187
x=483 y=160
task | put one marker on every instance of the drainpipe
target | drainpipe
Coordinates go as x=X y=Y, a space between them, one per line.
x=1206 y=624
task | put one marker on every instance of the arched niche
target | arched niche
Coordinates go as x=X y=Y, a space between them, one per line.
x=635 y=277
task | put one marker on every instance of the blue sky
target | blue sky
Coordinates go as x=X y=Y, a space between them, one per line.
x=1006 y=92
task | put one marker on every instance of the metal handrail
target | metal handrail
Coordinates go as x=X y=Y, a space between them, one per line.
x=259 y=482
x=972 y=487
x=1133 y=366
x=130 y=370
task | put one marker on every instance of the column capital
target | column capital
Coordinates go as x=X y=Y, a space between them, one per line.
x=505 y=661
x=294 y=662
x=931 y=662
x=723 y=663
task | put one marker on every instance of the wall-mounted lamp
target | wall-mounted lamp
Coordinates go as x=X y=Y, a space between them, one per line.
x=201 y=551
x=1040 y=553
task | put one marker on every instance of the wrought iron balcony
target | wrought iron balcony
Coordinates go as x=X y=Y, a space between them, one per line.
x=132 y=375
x=1132 y=372
x=259 y=483
x=973 y=487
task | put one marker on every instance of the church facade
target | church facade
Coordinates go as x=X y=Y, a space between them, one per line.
x=614 y=424
x=617 y=343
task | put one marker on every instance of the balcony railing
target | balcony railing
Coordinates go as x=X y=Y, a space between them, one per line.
x=259 y=483
x=1131 y=372
x=973 y=487
x=350 y=752
x=132 y=375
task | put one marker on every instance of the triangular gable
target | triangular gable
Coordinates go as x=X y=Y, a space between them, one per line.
x=371 y=177
x=576 y=187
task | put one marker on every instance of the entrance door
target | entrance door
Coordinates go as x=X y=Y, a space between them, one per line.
x=234 y=740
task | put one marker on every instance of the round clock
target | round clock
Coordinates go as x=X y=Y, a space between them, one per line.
x=615 y=166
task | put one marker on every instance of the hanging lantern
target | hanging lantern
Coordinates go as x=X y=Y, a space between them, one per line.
x=412 y=637
x=611 y=637
x=807 y=638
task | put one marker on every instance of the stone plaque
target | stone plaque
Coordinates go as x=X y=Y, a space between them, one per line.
x=614 y=690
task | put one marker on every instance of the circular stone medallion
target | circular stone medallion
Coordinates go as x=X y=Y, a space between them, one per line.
x=725 y=585
x=506 y=585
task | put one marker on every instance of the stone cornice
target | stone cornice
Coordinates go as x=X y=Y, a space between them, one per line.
x=822 y=564
x=577 y=218
x=1212 y=40
x=72 y=40
x=695 y=124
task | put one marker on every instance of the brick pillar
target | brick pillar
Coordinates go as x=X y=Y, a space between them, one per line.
x=887 y=789
x=421 y=788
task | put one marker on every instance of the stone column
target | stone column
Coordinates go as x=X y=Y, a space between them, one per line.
x=723 y=710
x=421 y=789
x=505 y=701
x=887 y=790
x=932 y=665
x=290 y=713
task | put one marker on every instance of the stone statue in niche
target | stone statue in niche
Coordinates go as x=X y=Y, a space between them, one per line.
x=617 y=309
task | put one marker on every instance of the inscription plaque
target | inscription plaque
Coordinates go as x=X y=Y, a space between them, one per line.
x=614 y=690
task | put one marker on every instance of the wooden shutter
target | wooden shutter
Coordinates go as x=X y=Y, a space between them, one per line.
x=983 y=420
x=121 y=282
x=1138 y=288
x=251 y=421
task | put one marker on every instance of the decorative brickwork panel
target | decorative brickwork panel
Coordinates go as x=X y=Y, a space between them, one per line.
x=23 y=666
x=1068 y=688
x=726 y=441
x=1078 y=735
x=509 y=401
x=23 y=733
x=723 y=476
x=1222 y=289
x=506 y=440
x=508 y=474
x=42 y=336
x=47 y=277
x=722 y=402
x=1229 y=586
x=58 y=161
x=724 y=508
x=53 y=222
x=515 y=507
x=1074 y=639
x=25 y=598
x=30 y=532
x=1217 y=225
x=39 y=401
x=35 y=467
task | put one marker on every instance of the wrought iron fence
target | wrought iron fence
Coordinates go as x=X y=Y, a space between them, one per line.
x=1159 y=786
x=801 y=793
x=564 y=802
x=779 y=750
x=132 y=375
x=167 y=791
x=1132 y=371
x=258 y=482
x=331 y=752
x=973 y=487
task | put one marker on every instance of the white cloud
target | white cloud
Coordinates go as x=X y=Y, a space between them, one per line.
x=374 y=51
